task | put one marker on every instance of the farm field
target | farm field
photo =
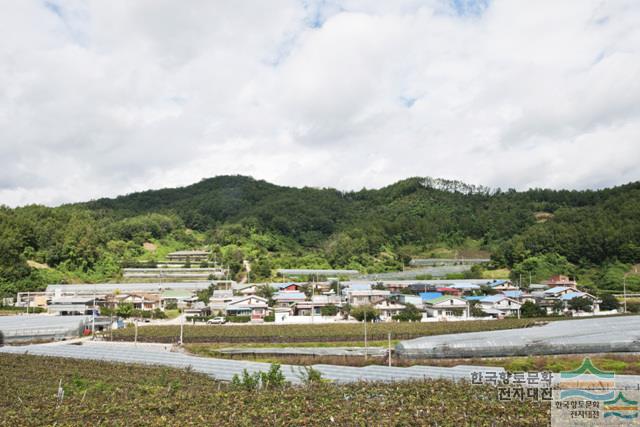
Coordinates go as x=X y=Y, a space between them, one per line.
x=343 y=332
x=617 y=363
x=115 y=394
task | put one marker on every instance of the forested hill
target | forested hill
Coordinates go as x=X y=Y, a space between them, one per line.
x=274 y=226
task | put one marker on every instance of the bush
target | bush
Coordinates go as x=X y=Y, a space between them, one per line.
x=273 y=378
x=409 y=314
x=171 y=305
x=359 y=313
x=239 y=319
x=531 y=309
x=309 y=376
x=270 y=318
x=329 y=310
x=580 y=304
x=633 y=307
x=609 y=302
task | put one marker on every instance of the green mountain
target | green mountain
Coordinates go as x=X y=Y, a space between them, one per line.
x=587 y=233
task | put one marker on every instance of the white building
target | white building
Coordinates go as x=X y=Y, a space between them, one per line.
x=446 y=307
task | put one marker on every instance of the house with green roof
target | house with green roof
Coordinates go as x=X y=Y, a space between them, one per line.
x=445 y=307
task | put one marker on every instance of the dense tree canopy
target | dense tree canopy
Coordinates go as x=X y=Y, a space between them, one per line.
x=538 y=231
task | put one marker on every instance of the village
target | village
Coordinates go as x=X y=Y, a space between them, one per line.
x=204 y=294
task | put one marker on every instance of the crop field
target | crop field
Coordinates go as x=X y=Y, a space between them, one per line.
x=623 y=364
x=100 y=393
x=310 y=333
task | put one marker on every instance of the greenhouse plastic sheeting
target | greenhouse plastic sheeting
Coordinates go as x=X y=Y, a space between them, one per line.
x=224 y=369
x=592 y=335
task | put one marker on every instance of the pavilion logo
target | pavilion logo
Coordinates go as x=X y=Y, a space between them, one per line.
x=586 y=377
x=621 y=407
x=588 y=396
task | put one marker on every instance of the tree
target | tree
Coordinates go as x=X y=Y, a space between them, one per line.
x=580 y=304
x=125 y=310
x=476 y=309
x=609 y=302
x=266 y=291
x=557 y=307
x=409 y=314
x=362 y=311
x=531 y=309
x=329 y=310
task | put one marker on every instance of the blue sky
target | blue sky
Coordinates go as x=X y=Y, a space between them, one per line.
x=105 y=98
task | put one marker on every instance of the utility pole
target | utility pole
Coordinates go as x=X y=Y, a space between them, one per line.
x=181 y=327
x=365 y=335
x=93 y=315
x=389 y=337
x=624 y=284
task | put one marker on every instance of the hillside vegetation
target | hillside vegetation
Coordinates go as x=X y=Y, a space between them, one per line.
x=594 y=235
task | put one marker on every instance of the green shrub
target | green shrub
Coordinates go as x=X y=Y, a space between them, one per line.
x=273 y=378
x=239 y=319
x=270 y=318
x=329 y=310
x=309 y=376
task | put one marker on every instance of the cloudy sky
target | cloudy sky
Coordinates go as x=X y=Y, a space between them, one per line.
x=100 y=98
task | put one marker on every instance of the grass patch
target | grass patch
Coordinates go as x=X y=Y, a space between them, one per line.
x=500 y=273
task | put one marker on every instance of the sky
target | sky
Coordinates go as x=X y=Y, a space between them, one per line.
x=102 y=98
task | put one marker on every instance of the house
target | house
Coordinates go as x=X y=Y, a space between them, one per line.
x=560 y=280
x=425 y=296
x=219 y=300
x=397 y=287
x=370 y=297
x=566 y=299
x=314 y=306
x=449 y=291
x=288 y=297
x=465 y=287
x=446 y=307
x=502 y=285
x=179 y=297
x=253 y=306
x=198 y=309
x=246 y=290
x=388 y=310
x=538 y=287
x=500 y=305
x=409 y=299
x=144 y=302
x=516 y=295
x=287 y=287
x=69 y=306
x=558 y=291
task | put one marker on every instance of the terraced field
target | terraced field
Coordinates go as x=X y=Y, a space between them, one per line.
x=100 y=393
x=344 y=332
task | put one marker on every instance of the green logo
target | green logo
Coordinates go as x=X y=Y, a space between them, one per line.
x=587 y=367
x=621 y=407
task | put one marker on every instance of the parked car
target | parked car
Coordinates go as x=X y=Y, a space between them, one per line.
x=217 y=321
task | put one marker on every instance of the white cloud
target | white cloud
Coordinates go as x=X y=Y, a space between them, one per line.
x=104 y=98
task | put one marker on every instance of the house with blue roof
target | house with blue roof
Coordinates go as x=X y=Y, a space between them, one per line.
x=425 y=296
